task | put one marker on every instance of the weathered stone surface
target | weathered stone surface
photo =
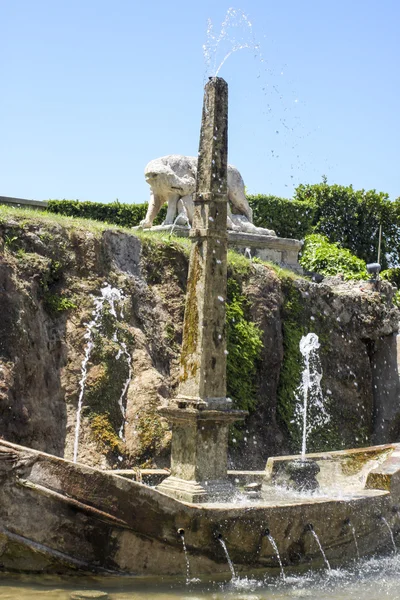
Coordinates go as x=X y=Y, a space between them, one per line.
x=201 y=414
x=61 y=517
x=41 y=350
x=281 y=251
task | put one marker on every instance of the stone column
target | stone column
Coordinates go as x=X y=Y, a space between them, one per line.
x=201 y=415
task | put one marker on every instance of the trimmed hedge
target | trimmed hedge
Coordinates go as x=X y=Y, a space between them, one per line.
x=288 y=218
x=125 y=215
x=345 y=216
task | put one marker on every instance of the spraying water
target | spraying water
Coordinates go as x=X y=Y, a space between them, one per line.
x=310 y=412
x=110 y=296
x=228 y=558
x=278 y=556
x=236 y=34
x=328 y=566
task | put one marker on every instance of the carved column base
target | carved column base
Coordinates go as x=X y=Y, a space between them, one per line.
x=199 y=453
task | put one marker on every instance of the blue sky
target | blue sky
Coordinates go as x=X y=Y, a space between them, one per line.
x=94 y=89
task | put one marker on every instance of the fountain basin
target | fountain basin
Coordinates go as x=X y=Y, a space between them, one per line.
x=59 y=516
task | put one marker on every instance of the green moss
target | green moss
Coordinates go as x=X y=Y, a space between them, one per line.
x=104 y=433
x=353 y=463
x=151 y=431
x=189 y=359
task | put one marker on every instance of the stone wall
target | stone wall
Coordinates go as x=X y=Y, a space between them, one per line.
x=52 y=268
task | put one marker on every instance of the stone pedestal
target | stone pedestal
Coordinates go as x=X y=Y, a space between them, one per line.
x=199 y=454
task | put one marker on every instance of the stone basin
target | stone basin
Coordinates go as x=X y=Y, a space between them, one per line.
x=58 y=516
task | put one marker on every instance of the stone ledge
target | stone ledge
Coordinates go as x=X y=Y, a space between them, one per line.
x=282 y=251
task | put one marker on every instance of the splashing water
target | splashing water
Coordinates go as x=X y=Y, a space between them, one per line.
x=110 y=296
x=236 y=34
x=228 y=558
x=310 y=412
x=328 y=566
x=391 y=534
x=278 y=556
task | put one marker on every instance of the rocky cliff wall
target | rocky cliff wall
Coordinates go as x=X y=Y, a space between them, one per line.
x=52 y=270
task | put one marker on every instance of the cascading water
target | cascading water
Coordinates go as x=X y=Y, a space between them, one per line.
x=124 y=350
x=315 y=536
x=278 y=556
x=110 y=296
x=353 y=532
x=310 y=412
x=182 y=536
x=228 y=558
x=391 y=534
x=247 y=253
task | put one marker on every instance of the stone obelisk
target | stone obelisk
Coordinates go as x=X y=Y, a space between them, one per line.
x=201 y=413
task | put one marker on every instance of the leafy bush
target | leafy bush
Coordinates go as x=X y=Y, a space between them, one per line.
x=319 y=256
x=352 y=218
x=344 y=215
x=392 y=275
x=125 y=215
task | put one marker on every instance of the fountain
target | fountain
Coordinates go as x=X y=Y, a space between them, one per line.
x=310 y=413
x=59 y=515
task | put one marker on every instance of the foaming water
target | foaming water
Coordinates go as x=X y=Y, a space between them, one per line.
x=373 y=579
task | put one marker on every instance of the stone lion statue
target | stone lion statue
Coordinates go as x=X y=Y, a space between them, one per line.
x=172 y=179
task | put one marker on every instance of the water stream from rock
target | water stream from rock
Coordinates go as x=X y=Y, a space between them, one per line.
x=228 y=558
x=109 y=295
x=278 y=556
x=328 y=566
x=124 y=351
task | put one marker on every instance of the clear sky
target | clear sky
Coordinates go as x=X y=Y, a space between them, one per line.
x=91 y=90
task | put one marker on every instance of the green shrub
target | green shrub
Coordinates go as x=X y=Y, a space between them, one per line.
x=392 y=275
x=125 y=215
x=319 y=256
x=352 y=218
